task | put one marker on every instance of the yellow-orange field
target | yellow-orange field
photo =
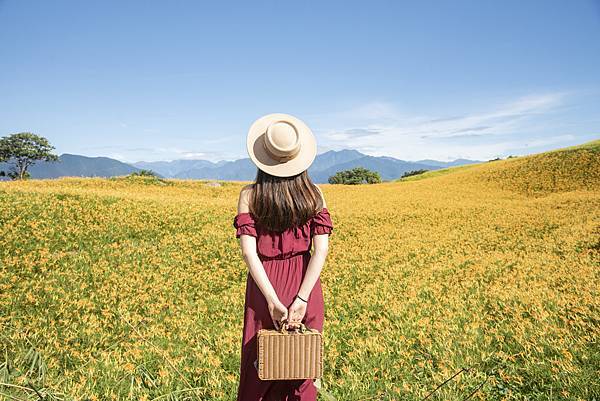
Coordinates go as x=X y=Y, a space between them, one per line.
x=486 y=275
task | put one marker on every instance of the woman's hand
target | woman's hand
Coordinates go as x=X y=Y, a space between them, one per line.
x=278 y=311
x=296 y=313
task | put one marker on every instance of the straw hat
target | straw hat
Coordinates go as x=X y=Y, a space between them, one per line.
x=281 y=145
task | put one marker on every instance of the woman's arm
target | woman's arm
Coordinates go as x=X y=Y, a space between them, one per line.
x=317 y=259
x=277 y=310
x=315 y=265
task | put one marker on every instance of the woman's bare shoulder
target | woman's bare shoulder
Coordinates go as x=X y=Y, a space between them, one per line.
x=247 y=188
x=244 y=200
x=322 y=196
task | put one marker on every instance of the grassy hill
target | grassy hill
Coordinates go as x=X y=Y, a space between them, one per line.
x=560 y=170
x=134 y=288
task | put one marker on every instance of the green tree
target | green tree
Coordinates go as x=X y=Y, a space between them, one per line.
x=357 y=175
x=143 y=173
x=413 y=172
x=24 y=149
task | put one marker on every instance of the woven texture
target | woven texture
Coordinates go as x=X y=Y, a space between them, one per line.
x=290 y=355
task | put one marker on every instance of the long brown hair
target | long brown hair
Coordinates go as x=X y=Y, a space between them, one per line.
x=278 y=203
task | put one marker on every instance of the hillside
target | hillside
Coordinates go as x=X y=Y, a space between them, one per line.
x=133 y=288
x=560 y=170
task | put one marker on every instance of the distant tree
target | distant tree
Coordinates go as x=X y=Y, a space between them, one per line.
x=24 y=149
x=493 y=160
x=3 y=159
x=413 y=172
x=357 y=175
x=143 y=173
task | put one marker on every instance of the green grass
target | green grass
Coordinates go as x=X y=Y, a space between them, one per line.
x=593 y=146
x=437 y=173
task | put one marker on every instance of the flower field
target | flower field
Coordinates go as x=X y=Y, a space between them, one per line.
x=473 y=283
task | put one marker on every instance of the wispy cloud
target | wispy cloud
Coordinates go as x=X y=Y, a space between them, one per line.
x=381 y=129
x=354 y=133
x=516 y=126
x=135 y=154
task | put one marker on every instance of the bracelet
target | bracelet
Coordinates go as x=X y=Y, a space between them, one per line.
x=300 y=298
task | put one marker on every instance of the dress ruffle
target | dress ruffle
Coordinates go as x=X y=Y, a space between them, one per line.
x=321 y=223
x=244 y=224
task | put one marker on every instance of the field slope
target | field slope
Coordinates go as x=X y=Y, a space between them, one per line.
x=133 y=288
x=558 y=170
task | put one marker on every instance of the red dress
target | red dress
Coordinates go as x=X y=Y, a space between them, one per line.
x=285 y=257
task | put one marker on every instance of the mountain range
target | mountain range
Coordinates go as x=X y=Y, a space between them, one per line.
x=325 y=165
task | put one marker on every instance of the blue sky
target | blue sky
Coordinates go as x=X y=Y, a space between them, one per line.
x=154 y=80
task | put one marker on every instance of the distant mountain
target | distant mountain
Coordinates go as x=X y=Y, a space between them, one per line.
x=172 y=168
x=331 y=158
x=387 y=167
x=78 y=166
x=237 y=170
x=457 y=162
x=324 y=166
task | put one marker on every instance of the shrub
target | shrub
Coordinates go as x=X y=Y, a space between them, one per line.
x=414 y=172
x=357 y=175
x=144 y=173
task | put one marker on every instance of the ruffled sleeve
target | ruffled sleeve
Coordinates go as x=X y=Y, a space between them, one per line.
x=244 y=224
x=321 y=223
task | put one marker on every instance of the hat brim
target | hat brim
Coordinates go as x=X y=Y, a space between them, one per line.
x=264 y=161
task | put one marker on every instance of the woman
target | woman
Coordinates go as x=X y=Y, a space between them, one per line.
x=279 y=218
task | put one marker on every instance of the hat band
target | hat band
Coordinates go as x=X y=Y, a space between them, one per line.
x=277 y=157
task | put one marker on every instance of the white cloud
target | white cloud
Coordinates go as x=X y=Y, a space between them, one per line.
x=134 y=154
x=380 y=129
x=194 y=155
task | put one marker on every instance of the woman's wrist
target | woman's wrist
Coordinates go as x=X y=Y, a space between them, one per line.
x=272 y=300
x=301 y=298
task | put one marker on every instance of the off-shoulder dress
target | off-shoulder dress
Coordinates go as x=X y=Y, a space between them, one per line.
x=285 y=257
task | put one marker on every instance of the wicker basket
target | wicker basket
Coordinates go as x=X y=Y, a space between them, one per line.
x=290 y=354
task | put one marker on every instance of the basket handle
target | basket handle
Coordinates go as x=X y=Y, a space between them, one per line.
x=283 y=327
